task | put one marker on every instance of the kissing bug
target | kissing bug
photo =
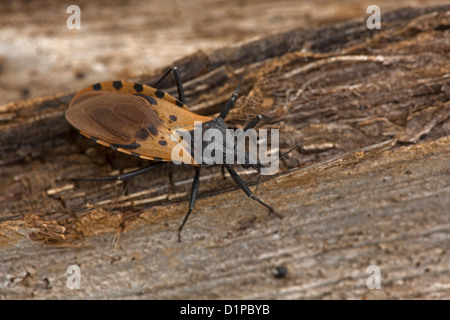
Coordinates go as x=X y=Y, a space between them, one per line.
x=140 y=120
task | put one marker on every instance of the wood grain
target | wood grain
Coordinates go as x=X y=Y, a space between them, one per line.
x=370 y=187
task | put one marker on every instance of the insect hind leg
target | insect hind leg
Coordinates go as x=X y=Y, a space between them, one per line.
x=124 y=176
x=177 y=77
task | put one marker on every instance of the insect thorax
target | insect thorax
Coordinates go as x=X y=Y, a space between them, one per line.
x=214 y=144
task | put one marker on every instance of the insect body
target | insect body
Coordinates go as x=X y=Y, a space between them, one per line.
x=131 y=118
x=140 y=120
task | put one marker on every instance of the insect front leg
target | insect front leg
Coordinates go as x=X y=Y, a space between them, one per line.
x=194 y=191
x=231 y=101
x=253 y=123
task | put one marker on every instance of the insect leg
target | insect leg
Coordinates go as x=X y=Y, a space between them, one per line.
x=241 y=184
x=177 y=77
x=194 y=191
x=163 y=77
x=125 y=175
x=253 y=123
x=259 y=182
x=230 y=103
x=250 y=125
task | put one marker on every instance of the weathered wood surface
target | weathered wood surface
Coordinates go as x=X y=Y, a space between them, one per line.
x=371 y=110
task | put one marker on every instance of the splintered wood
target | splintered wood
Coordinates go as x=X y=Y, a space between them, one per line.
x=370 y=185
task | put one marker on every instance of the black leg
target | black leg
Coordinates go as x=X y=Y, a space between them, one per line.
x=163 y=76
x=176 y=75
x=250 y=125
x=259 y=182
x=194 y=191
x=230 y=103
x=241 y=184
x=125 y=175
x=253 y=123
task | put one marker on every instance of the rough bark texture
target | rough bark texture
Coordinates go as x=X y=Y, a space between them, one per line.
x=370 y=187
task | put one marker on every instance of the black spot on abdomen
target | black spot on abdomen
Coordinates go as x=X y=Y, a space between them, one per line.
x=117 y=85
x=138 y=87
x=131 y=146
x=160 y=94
x=179 y=103
x=150 y=100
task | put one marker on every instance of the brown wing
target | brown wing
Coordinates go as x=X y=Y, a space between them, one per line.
x=130 y=123
x=113 y=117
